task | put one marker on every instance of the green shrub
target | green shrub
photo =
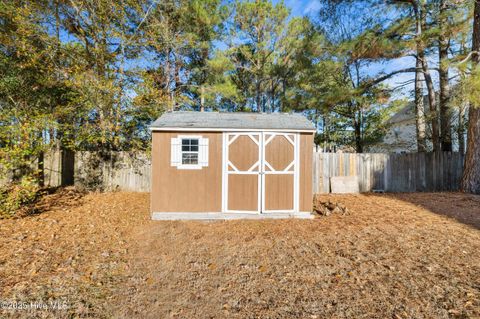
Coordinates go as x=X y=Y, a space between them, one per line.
x=16 y=198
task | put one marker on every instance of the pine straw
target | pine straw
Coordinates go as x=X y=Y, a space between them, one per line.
x=390 y=257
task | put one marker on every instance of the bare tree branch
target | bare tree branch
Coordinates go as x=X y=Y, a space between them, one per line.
x=368 y=84
x=468 y=57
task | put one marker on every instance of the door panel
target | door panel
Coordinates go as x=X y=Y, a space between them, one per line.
x=279 y=192
x=243 y=153
x=243 y=192
x=279 y=172
x=279 y=153
x=242 y=169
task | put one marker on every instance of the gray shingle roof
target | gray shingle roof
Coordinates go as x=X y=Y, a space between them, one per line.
x=232 y=121
x=405 y=114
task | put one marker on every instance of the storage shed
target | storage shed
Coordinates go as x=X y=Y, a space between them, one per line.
x=211 y=165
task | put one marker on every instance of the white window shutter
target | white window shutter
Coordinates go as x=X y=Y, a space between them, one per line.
x=176 y=152
x=203 y=152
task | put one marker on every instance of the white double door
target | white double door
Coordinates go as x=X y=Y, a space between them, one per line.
x=260 y=172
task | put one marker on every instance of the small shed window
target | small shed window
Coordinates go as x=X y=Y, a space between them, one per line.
x=189 y=152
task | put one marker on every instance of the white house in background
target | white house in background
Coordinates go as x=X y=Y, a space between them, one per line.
x=402 y=134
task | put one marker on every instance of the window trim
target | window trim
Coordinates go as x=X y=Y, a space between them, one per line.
x=189 y=166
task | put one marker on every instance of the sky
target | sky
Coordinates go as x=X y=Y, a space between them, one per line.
x=311 y=7
x=302 y=7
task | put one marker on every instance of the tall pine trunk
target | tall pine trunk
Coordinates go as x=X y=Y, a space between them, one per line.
x=41 y=168
x=419 y=24
x=202 y=98
x=420 y=109
x=445 y=114
x=67 y=155
x=471 y=173
x=357 y=125
x=258 y=97
x=432 y=104
x=461 y=128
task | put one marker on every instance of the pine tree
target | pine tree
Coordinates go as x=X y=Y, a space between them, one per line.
x=471 y=174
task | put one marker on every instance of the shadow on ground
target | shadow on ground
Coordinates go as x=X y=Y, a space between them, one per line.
x=464 y=208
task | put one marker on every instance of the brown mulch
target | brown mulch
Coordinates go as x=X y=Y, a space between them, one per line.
x=59 y=199
x=73 y=253
x=391 y=256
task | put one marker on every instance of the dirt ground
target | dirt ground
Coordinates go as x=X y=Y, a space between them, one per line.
x=392 y=256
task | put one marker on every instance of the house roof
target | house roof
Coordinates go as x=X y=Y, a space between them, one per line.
x=407 y=113
x=223 y=121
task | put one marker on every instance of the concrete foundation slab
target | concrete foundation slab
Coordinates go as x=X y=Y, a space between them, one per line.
x=227 y=216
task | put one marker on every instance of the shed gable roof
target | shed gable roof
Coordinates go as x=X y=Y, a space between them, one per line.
x=223 y=121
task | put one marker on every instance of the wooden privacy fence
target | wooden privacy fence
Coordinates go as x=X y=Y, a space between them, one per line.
x=96 y=171
x=413 y=172
x=388 y=172
x=116 y=171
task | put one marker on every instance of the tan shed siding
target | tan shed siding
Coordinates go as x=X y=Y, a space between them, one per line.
x=186 y=190
x=306 y=172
